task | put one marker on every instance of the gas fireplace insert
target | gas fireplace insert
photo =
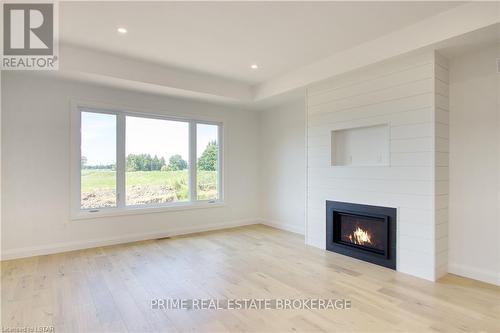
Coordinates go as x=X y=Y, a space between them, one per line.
x=363 y=232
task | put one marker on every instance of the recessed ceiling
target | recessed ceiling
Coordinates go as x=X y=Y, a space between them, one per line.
x=226 y=38
x=471 y=41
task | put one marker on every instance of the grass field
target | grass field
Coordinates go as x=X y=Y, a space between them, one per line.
x=144 y=187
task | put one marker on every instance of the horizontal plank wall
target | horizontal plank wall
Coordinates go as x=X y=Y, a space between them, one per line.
x=401 y=94
x=441 y=186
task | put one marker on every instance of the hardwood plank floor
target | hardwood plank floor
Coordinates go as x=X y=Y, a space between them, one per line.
x=109 y=289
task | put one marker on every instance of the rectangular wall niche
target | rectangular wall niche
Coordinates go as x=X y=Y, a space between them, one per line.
x=361 y=146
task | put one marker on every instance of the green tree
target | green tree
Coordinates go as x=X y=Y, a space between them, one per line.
x=147 y=161
x=144 y=162
x=176 y=163
x=155 y=163
x=208 y=160
x=133 y=162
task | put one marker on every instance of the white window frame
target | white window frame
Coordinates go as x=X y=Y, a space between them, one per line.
x=121 y=207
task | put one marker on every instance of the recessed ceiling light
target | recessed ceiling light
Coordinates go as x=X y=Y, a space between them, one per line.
x=122 y=30
x=254 y=66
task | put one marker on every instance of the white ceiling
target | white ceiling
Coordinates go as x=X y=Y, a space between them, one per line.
x=224 y=38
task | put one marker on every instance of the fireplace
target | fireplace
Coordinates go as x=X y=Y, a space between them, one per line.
x=362 y=232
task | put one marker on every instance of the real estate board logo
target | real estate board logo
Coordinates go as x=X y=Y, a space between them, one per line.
x=29 y=36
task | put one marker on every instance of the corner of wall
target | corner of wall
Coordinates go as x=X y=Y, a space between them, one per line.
x=281 y=167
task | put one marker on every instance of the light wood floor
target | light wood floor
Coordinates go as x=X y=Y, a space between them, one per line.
x=110 y=288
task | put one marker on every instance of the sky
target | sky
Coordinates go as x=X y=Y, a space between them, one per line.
x=163 y=138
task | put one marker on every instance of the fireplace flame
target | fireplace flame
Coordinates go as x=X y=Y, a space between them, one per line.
x=360 y=237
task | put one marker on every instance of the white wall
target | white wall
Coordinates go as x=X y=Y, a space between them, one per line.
x=36 y=168
x=401 y=93
x=282 y=166
x=474 y=165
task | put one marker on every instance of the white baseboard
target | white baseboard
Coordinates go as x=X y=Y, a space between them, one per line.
x=80 y=245
x=474 y=273
x=283 y=226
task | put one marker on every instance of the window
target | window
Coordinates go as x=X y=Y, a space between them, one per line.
x=157 y=165
x=98 y=161
x=207 y=155
x=127 y=161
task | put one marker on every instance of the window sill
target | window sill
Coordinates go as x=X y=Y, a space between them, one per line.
x=85 y=215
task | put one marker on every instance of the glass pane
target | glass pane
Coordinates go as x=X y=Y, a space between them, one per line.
x=364 y=231
x=157 y=166
x=98 y=160
x=207 y=150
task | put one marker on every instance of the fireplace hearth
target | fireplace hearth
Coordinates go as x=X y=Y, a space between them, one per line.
x=362 y=232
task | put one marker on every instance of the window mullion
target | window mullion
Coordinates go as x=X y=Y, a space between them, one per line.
x=192 y=161
x=120 y=161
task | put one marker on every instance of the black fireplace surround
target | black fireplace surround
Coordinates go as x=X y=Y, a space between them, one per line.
x=363 y=232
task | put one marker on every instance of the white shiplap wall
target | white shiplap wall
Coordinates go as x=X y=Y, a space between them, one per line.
x=401 y=93
x=441 y=186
